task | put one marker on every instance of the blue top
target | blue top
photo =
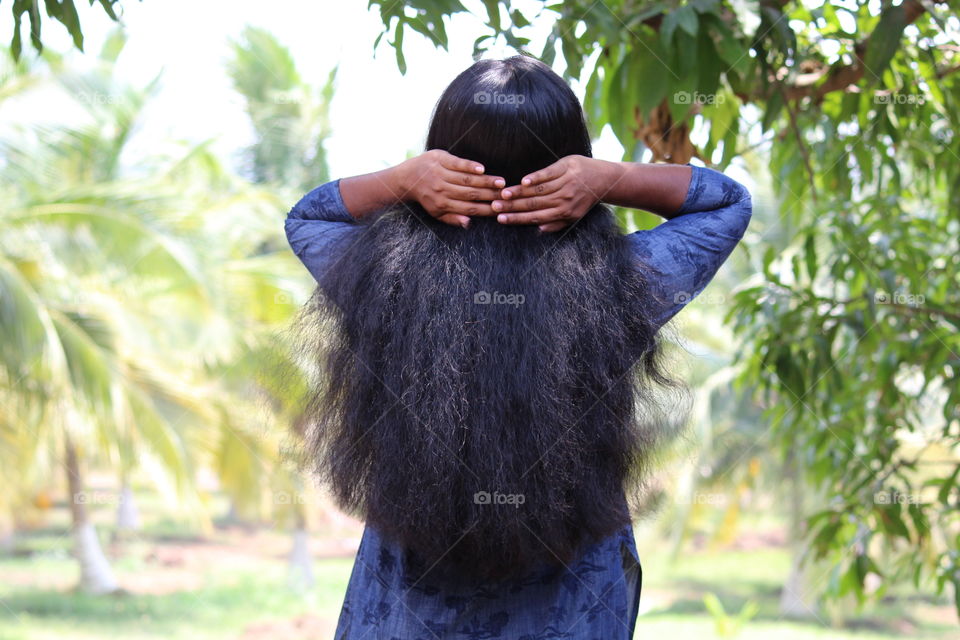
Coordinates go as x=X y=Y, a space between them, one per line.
x=598 y=596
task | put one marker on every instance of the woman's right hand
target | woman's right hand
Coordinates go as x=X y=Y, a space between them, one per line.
x=449 y=188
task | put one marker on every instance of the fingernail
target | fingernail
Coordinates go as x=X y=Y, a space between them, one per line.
x=526 y=181
x=500 y=183
x=542 y=229
x=497 y=206
x=465 y=224
x=501 y=218
x=478 y=168
x=507 y=194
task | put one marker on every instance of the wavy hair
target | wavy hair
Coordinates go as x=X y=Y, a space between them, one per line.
x=488 y=398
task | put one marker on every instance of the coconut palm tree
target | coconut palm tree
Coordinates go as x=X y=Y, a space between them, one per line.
x=110 y=319
x=290 y=119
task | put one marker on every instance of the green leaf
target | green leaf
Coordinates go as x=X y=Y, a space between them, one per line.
x=667 y=27
x=16 y=46
x=620 y=100
x=810 y=252
x=884 y=41
x=774 y=107
x=705 y=6
x=687 y=19
x=549 y=53
x=398 y=47
x=493 y=13
x=648 y=78
x=477 y=48
x=419 y=25
x=68 y=16
x=518 y=19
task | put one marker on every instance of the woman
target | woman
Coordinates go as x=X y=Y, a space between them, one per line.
x=490 y=391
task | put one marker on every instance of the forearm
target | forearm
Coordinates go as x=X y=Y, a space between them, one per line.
x=370 y=192
x=657 y=188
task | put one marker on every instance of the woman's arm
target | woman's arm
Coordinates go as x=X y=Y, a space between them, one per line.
x=449 y=188
x=707 y=214
x=563 y=192
x=317 y=224
x=684 y=253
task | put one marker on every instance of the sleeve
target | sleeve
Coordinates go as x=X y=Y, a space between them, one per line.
x=316 y=225
x=685 y=252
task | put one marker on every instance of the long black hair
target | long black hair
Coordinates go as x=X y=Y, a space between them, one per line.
x=488 y=397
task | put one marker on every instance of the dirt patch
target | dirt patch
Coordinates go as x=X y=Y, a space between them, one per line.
x=306 y=627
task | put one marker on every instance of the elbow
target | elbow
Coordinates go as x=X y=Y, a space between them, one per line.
x=298 y=211
x=746 y=205
x=742 y=207
x=291 y=226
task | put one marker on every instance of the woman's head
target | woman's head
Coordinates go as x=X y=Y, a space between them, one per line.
x=514 y=116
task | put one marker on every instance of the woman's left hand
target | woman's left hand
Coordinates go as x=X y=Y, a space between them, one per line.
x=556 y=196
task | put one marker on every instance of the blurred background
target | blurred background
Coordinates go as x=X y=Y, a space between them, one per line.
x=149 y=152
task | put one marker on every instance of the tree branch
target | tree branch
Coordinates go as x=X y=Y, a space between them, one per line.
x=842 y=77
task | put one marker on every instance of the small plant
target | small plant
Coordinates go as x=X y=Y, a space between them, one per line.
x=729 y=626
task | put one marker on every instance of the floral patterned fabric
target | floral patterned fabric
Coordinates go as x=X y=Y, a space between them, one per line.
x=389 y=597
x=595 y=599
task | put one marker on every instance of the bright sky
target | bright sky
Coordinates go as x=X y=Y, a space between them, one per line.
x=378 y=114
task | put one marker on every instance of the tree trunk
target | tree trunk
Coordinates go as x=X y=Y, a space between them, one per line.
x=128 y=516
x=301 y=563
x=796 y=601
x=7 y=536
x=95 y=573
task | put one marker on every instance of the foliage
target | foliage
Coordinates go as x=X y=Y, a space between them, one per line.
x=63 y=11
x=132 y=301
x=729 y=625
x=851 y=327
x=290 y=118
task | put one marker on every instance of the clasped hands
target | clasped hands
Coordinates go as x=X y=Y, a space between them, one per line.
x=454 y=190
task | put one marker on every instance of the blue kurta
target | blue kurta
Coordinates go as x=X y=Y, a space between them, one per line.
x=598 y=596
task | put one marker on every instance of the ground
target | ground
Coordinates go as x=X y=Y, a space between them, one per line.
x=230 y=583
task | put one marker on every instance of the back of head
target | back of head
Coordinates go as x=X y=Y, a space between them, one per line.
x=513 y=116
x=486 y=396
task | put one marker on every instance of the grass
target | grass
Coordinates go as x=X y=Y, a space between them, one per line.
x=222 y=607
x=233 y=586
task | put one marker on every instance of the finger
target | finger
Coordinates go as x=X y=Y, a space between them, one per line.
x=455 y=220
x=452 y=162
x=524 y=191
x=463 y=208
x=523 y=204
x=546 y=174
x=466 y=179
x=553 y=227
x=534 y=217
x=472 y=194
